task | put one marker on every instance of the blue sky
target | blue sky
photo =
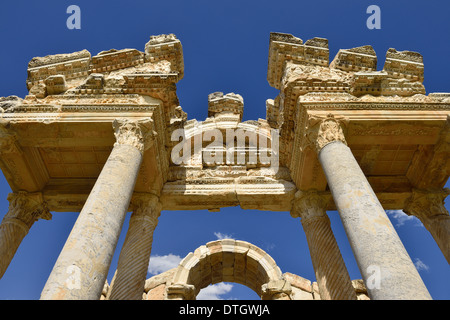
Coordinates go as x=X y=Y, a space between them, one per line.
x=225 y=46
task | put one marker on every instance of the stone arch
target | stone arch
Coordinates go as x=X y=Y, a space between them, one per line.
x=228 y=260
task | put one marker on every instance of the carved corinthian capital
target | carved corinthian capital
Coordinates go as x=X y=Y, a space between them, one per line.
x=425 y=204
x=147 y=207
x=309 y=205
x=26 y=208
x=324 y=130
x=136 y=133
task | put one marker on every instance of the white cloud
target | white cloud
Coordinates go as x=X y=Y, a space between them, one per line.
x=401 y=218
x=213 y=292
x=221 y=236
x=160 y=264
x=420 y=265
x=270 y=246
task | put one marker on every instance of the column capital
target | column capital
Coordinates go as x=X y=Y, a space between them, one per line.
x=323 y=130
x=147 y=206
x=136 y=133
x=427 y=203
x=26 y=208
x=309 y=205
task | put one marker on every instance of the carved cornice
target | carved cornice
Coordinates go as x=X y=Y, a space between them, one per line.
x=26 y=208
x=136 y=133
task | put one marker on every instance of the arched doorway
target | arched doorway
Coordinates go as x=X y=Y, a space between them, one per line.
x=228 y=260
x=235 y=261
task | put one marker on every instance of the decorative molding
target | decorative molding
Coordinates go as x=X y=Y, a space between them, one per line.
x=324 y=130
x=136 y=133
x=26 y=208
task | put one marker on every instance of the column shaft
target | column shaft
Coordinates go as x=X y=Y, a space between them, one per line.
x=331 y=274
x=385 y=265
x=135 y=255
x=82 y=267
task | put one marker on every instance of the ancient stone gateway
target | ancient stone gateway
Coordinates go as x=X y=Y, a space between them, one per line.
x=105 y=135
x=236 y=261
x=226 y=261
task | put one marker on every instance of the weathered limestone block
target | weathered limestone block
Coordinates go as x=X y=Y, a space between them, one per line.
x=218 y=103
x=55 y=84
x=113 y=59
x=276 y=290
x=360 y=289
x=166 y=47
x=72 y=65
x=404 y=64
x=8 y=104
x=356 y=59
x=155 y=287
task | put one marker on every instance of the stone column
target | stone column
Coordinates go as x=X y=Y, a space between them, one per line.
x=24 y=209
x=129 y=280
x=332 y=276
x=428 y=206
x=82 y=266
x=385 y=266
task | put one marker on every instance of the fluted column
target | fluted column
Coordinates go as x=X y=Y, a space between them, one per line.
x=82 y=266
x=331 y=274
x=383 y=261
x=134 y=258
x=24 y=209
x=428 y=206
